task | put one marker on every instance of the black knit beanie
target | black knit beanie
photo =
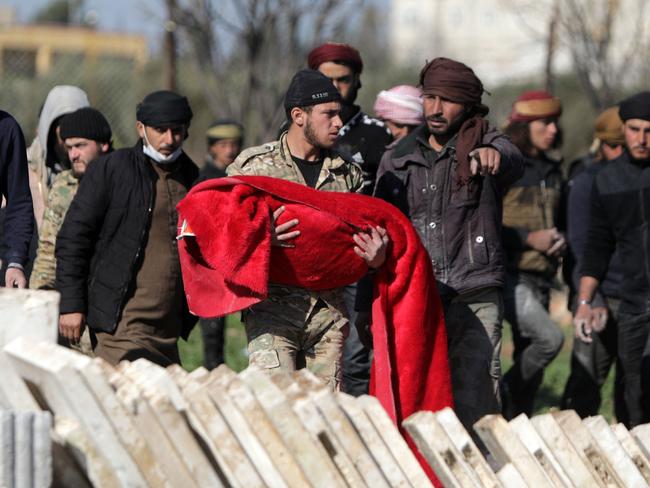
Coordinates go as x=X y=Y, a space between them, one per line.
x=310 y=87
x=635 y=107
x=88 y=123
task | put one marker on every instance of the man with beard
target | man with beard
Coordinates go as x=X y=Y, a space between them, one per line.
x=449 y=176
x=620 y=220
x=594 y=355
x=86 y=135
x=364 y=139
x=117 y=265
x=295 y=328
x=533 y=243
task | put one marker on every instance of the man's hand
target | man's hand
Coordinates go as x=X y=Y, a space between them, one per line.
x=548 y=241
x=484 y=161
x=15 y=278
x=72 y=325
x=372 y=247
x=582 y=323
x=599 y=316
x=280 y=234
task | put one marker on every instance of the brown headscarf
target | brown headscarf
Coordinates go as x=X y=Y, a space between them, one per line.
x=457 y=82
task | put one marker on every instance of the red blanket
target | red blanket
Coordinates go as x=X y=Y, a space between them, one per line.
x=228 y=262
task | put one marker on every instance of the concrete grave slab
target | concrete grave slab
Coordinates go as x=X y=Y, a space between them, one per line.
x=340 y=425
x=23 y=449
x=230 y=456
x=7 y=454
x=632 y=449
x=94 y=464
x=48 y=368
x=216 y=388
x=146 y=421
x=312 y=421
x=440 y=452
x=447 y=419
x=97 y=373
x=510 y=477
x=168 y=404
x=574 y=461
x=522 y=427
x=506 y=447
x=311 y=456
x=267 y=434
x=42 y=449
x=578 y=434
x=622 y=466
x=394 y=440
x=373 y=441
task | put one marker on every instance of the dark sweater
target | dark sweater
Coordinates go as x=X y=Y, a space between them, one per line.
x=14 y=186
x=578 y=214
x=620 y=219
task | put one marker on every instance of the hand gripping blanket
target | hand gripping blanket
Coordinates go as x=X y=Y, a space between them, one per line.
x=227 y=262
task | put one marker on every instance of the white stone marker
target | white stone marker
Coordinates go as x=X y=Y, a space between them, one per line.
x=510 y=477
x=575 y=463
x=621 y=464
x=632 y=450
x=7 y=454
x=522 y=426
x=506 y=447
x=31 y=313
x=447 y=419
x=312 y=457
x=340 y=425
x=23 y=460
x=439 y=451
x=42 y=450
x=373 y=441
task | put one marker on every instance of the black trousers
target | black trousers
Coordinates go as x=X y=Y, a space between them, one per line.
x=212 y=331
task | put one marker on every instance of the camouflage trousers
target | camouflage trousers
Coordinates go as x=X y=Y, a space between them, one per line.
x=276 y=343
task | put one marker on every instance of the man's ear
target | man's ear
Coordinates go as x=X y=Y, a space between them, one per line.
x=298 y=116
x=104 y=147
x=139 y=126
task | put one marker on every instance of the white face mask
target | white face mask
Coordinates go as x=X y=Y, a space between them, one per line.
x=159 y=158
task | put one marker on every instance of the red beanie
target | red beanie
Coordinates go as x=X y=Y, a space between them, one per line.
x=333 y=51
x=535 y=105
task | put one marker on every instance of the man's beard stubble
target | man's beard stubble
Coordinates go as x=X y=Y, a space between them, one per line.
x=452 y=127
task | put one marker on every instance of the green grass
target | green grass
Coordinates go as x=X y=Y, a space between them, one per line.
x=556 y=375
x=548 y=397
x=192 y=351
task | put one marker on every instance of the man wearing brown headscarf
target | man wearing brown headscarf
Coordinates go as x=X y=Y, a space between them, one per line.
x=449 y=176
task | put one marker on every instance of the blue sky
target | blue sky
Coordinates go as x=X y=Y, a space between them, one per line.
x=135 y=16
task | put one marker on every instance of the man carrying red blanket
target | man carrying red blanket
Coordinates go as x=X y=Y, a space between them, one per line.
x=294 y=327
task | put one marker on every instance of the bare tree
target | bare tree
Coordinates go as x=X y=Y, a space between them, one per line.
x=604 y=38
x=247 y=50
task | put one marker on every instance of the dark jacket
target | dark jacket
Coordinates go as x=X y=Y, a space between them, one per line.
x=578 y=212
x=209 y=171
x=534 y=202
x=14 y=186
x=104 y=233
x=462 y=232
x=620 y=219
x=363 y=139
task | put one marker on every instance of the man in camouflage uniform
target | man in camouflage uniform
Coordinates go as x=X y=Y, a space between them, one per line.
x=86 y=135
x=296 y=328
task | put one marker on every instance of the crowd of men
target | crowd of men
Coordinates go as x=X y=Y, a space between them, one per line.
x=492 y=208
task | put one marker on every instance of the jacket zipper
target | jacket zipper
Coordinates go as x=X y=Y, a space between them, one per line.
x=470 y=250
x=137 y=254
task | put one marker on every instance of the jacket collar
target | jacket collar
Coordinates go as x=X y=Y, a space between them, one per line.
x=411 y=148
x=331 y=159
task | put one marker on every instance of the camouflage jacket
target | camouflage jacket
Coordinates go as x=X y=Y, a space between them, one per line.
x=337 y=174
x=59 y=198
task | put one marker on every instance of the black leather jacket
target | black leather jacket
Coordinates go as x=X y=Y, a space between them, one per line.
x=461 y=231
x=104 y=232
